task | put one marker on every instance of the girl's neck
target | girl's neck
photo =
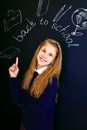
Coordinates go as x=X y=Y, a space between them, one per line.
x=41 y=69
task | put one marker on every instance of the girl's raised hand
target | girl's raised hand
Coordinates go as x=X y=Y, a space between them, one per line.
x=13 y=70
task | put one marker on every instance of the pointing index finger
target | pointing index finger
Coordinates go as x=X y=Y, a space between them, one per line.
x=16 y=61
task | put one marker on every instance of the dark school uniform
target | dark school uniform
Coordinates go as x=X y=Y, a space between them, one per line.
x=37 y=114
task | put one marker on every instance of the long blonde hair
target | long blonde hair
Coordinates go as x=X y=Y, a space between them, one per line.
x=41 y=80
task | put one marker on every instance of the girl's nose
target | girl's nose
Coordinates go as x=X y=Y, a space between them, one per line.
x=45 y=55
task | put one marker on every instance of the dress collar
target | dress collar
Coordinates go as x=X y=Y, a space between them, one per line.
x=39 y=71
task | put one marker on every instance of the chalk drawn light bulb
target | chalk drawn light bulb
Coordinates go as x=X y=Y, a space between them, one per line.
x=79 y=19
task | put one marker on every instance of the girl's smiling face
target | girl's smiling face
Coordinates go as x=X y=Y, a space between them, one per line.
x=46 y=55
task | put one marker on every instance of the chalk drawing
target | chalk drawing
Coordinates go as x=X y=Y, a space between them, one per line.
x=13 y=19
x=28 y=28
x=9 y=52
x=42 y=7
x=79 y=19
x=59 y=15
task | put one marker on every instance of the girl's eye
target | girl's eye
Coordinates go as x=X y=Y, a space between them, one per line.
x=44 y=50
x=50 y=54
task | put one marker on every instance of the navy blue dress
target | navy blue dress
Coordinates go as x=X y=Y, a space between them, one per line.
x=37 y=114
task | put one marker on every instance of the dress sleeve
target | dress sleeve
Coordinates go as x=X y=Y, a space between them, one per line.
x=17 y=93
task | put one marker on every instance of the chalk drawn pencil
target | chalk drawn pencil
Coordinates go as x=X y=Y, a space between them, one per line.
x=59 y=12
x=42 y=7
x=63 y=13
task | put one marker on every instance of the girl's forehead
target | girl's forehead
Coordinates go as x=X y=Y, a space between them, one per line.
x=46 y=44
x=49 y=47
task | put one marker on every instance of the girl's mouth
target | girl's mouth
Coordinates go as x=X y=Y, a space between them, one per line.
x=42 y=59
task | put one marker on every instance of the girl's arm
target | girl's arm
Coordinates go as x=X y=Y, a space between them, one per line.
x=18 y=95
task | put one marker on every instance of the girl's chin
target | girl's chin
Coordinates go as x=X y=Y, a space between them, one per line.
x=41 y=63
x=40 y=66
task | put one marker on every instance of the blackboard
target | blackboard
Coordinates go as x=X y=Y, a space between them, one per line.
x=23 y=25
